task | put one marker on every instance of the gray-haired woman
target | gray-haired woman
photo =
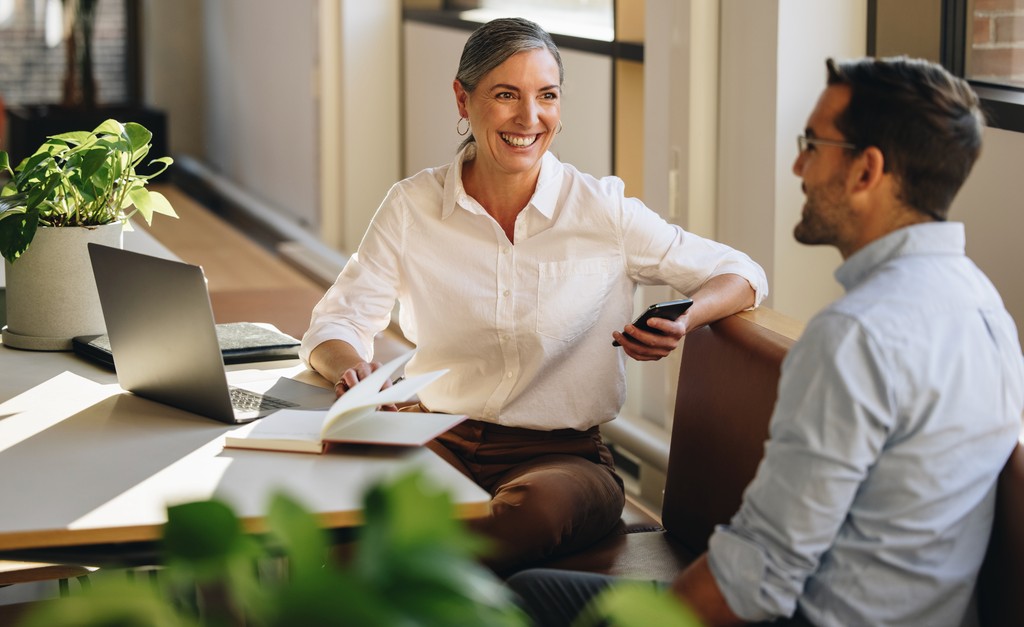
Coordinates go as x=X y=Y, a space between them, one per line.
x=516 y=271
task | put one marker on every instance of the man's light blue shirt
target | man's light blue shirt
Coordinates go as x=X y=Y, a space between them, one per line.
x=897 y=409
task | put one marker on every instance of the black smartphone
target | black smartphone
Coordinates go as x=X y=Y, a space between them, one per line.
x=670 y=309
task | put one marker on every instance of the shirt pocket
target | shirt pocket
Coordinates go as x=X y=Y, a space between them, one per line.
x=570 y=295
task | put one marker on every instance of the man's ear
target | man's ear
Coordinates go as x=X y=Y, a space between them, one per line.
x=869 y=168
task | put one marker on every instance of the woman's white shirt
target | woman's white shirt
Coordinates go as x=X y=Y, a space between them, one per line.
x=524 y=329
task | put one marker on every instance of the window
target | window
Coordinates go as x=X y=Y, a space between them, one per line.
x=586 y=19
x=981 y=40
x=994 y=42
x=33 y=56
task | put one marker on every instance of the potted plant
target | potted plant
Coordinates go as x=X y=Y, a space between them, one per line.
x=76 y=188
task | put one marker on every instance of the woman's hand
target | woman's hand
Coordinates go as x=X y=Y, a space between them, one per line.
x=647 y=346
x=357 y=373
x=720 y=296
x=337 y=361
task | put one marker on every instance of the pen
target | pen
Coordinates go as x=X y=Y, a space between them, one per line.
x=398 y=380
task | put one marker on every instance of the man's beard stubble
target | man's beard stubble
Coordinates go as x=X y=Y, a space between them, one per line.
x=824 y=212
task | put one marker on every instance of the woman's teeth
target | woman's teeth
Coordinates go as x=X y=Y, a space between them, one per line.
x=519 y=141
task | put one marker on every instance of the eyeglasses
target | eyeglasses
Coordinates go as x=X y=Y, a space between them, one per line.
x=803 y=143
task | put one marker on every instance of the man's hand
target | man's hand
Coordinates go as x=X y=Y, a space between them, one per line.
x=697 y=587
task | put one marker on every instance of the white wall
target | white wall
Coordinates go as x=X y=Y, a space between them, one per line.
x=989 y=205
x=173 y=70
x=360 y=126
x=773 y=68
x=431 y=58
x=260 y=109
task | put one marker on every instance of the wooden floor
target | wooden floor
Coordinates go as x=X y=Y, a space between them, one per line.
x=231 y=260
x=247 y=282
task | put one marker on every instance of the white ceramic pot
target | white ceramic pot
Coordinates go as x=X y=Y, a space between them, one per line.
x=51 y=293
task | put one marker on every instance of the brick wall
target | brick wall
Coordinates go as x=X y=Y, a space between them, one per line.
x=997 y=47
x=33 y=73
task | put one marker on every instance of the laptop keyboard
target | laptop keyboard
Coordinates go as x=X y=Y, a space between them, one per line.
x=244 y=400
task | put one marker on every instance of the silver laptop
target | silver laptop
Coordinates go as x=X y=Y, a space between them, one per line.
x=164 y=340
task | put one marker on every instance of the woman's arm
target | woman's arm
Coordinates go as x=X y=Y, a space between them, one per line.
x=338 y=362
x=719 y=297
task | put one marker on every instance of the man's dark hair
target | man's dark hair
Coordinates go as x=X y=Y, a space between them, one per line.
x=925 y=121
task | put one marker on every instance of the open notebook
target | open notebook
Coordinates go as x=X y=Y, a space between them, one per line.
x=353 y=418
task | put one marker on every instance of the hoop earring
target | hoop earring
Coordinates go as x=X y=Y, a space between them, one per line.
x=559 y=130
x=458 y=127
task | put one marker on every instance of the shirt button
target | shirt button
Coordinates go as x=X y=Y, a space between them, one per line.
x=504 y=251
x=506 y=337
x=509 y=375
x=506 y=293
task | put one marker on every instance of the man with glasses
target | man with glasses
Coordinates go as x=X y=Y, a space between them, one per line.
x=899 y=404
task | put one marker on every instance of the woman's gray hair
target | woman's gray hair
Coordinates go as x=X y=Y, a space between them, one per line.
x=493 y=43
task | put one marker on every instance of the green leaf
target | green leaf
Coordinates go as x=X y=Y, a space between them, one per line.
x=138 y=135
x=165 y=161
x=31 y=165
x=12 y=201
x=110 y=601
x=201 y=531
x=51 y=147
x=16 y=233
x=109 y=127
x=5 y=162
x=74 y=138
x=635 y=604
x=300 y=535
x=92 y=161
x=161 y=205
x=143 y=201
x=139 y=154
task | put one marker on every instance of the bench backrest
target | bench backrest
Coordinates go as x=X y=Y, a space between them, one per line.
x=727 y=387
x=1001 y=582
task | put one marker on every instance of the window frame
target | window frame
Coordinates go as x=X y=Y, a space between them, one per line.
x=1003 y=104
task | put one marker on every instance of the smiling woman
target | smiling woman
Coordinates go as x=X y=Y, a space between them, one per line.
x=515 y=271
x=514 y=112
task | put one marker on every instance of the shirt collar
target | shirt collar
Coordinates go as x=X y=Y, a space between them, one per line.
x=929 y=238
x=545 y=195
x=454 y=192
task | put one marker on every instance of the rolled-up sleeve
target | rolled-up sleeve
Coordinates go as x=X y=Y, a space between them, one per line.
x=662 y=253
x=359 y=304
x=739 y=566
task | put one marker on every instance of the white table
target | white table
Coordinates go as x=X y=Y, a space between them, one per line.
x=84 y=463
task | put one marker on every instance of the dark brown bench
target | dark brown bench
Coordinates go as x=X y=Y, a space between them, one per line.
x=1001 y=581
x=725 y=396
